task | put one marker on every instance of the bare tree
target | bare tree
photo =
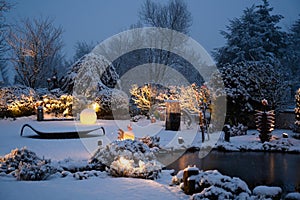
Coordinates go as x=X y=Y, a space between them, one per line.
x=173 y=15
x=35 y=46
x=82 y=48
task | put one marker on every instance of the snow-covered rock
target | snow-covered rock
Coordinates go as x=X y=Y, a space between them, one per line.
x=212 y=184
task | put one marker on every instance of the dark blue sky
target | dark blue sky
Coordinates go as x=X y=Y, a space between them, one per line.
x=96 y=20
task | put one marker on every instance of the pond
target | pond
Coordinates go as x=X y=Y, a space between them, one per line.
x=255 y=168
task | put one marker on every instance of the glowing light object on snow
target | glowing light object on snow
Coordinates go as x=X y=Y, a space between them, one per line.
x=88 y=116
x=96 y=107
x=125 y=135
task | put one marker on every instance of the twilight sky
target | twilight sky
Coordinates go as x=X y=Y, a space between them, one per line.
x=96 y=20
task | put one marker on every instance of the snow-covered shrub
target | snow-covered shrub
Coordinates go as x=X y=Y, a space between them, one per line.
x=113 y=103
x=150 y=97
x=34 y=172
x=240 y=129
x=136 y=118
x=86 y=174
x=212 y=184
x=88 y=71
x=151 y=141
x=17 y=101
x=265 y=123
x=71 y=165
x=213 y=192
x=10 y=162
x=90 y=80
x=129 y=158
x=282 y=144
x=26 y=165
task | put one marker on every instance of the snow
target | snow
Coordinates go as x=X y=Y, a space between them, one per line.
x=251 y=142
x=93 y=188
x=73 y=154
x=267 y=191
x=293 y=196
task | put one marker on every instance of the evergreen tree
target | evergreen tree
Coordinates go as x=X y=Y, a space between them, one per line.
x=250 y=62
x=291 y=59
x=254 y=36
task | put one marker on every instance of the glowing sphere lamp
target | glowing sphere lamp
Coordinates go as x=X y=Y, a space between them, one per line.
x=88 y=116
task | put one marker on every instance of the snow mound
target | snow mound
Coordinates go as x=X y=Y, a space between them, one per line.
x=87 y=174
x=251 y=143
x=292 y=196
x=127 y=158
x=267 y=192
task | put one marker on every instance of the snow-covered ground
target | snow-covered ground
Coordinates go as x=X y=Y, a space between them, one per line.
x=251 y=142
x=102 y=186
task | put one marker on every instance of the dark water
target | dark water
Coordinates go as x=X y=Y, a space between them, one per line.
x=255 y=168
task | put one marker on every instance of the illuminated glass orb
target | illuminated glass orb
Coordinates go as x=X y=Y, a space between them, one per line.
x=88 y=116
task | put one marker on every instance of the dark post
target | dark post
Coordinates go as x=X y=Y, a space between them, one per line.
x=173 y=115
x=40 y=113
x=226 y=130
x=201 y=125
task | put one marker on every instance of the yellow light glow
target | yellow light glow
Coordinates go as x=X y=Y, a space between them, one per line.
x=88 y=116
x=122 y=135
x=128 y=135
x=96 y=106
x=124 y=162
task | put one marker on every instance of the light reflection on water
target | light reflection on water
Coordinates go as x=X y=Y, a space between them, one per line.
x=255 y=168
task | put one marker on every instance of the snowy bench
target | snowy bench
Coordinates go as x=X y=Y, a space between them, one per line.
x=61 y=129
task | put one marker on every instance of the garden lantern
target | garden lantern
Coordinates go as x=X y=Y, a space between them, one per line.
x=88 y=116
x=173 y=114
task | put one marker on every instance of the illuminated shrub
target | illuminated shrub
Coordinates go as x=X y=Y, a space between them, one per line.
x=127 y=158
x=265 y=122
x=16 y=101
x=59 y=106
